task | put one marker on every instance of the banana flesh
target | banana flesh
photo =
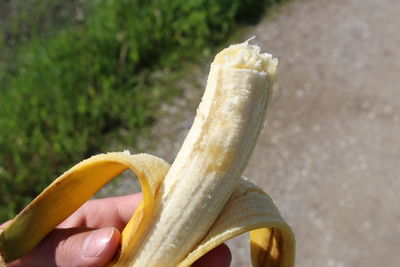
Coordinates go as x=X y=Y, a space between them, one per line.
x=197 y=203
x=212 y=158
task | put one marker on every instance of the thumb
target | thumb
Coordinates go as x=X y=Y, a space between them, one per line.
x=73 y=247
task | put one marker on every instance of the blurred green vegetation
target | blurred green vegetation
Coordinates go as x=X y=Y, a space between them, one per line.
x=77 y=76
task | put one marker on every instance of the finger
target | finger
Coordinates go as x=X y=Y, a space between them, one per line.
x=73 y=247
x=218 y=257
x=106 y=212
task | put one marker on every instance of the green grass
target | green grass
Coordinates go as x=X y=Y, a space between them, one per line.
x=77 y=77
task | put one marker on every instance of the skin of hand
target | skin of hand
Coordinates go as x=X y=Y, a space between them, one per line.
x=91 y=236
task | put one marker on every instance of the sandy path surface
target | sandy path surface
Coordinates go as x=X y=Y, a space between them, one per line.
x=330 y=154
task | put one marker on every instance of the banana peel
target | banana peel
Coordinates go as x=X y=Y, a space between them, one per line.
x=248 y=209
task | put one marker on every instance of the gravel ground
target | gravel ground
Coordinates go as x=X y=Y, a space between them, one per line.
x=330 y=153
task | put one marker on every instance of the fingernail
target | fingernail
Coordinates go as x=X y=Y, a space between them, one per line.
x=96 y=242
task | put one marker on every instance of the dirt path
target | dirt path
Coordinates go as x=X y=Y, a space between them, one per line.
x=330 y=154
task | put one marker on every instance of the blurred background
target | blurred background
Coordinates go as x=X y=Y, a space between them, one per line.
x=84 y=77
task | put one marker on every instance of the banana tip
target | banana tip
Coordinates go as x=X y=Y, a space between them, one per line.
x=247 y=56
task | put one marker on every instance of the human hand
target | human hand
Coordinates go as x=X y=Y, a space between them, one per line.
x=91 y=236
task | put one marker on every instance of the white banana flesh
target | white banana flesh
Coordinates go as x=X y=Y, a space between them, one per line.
x=213 y=156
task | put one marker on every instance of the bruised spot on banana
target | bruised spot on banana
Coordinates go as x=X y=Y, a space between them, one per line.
x=198 y=202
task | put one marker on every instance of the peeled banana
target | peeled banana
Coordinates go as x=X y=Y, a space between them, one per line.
x=199 y=201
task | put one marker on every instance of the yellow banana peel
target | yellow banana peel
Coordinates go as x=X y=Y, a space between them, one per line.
x=196 y=204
